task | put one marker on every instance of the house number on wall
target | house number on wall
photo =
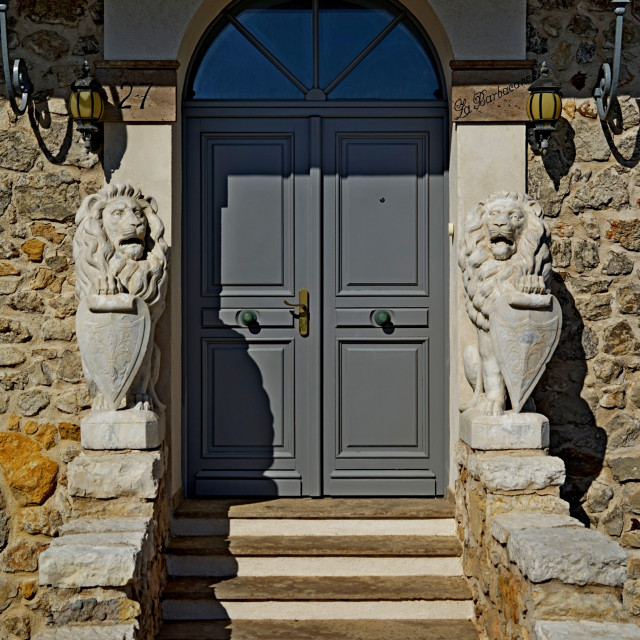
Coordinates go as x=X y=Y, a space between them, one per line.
x=125 y=104
x=139 y=91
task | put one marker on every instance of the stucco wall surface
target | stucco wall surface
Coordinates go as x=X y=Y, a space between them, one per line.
x=154 y=29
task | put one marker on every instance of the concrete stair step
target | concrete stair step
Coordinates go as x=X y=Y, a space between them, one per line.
x=321 y=629
x=310 y=508
x=312 y=527
x=187 y=610
x=229 y=566
x=370 y=546
x=356 y=588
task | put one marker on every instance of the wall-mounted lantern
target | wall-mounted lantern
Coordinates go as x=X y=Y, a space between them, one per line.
x=544 y=109
x=607 y=90
x=86 y=105
x=16 y=78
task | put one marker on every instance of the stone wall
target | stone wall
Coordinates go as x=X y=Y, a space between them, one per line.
x=530 y=565
x=589 y=187
x=44 y=173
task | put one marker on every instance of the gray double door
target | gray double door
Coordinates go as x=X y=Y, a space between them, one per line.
x=351 y=210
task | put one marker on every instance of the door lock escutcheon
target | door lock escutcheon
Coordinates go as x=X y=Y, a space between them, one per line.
x=303 y=314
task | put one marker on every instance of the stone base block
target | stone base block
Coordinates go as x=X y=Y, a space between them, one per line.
x=89 y=564
x=97 y=552
x=584 y=630
x=508 y=431
x=503 y=524
x=86 y=632
x=117 y=430
x=516 y=473
x=135 y=474
x=572 y=555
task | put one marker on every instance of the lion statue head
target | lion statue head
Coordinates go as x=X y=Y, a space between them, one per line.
x=119 y=245
x=505 y=239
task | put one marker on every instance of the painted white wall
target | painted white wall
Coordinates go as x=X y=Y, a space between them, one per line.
x=154 y=29
x=484 y=158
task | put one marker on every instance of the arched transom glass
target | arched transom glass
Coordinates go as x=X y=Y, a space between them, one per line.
x=315 y=50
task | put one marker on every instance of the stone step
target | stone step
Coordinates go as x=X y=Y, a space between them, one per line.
x=229 y=566
x=357 y=588
x=328 y=629
x=318 y=508
x=86 y=632
x=585 y=630
x=351 y=546
x=186 y=526
x=187 y=610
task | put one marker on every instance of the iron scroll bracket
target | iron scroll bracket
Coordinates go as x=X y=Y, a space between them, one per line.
x=606 y=92
x=16 y=78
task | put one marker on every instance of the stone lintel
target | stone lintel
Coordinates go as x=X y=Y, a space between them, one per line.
x=585 y=630
x=504 y=524
x=572 y=555
x=508 y=431
x=136 y=474
x=118 y=430
x=84 y=632
x=513 y=472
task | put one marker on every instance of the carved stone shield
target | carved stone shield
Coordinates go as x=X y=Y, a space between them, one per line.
x=524 y=341
x=113 y=334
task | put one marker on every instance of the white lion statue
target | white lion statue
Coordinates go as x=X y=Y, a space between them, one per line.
x=504 y=250
x=119 y=248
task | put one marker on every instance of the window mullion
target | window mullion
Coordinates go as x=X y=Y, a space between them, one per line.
x=316 y=43
x=363 y=54
x=266 y=53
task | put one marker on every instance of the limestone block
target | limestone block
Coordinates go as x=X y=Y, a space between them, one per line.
x=510 y=473
x=117 y=475
x=84 y=632
x=117 y=430
x=574 y=556
x=503 y=525
x=508 y=431
x=584 y=630
x=104 y=525
x=92 y=560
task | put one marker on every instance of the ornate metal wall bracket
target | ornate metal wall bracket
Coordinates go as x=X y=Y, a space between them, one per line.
x=606 y=92
x=16 y=78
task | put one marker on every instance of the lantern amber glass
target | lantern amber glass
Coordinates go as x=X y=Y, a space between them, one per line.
x=86 y=105
x=544 y=106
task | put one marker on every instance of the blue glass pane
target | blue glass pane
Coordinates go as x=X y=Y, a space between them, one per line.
x=345 y=29
x=286 y=30
x=399 y=68
x=232 y=68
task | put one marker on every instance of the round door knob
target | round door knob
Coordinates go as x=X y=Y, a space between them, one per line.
x=382 y=317
x=248 y=317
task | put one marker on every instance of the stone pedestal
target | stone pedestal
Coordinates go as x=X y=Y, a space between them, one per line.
x=508 y=431
x=118 y=430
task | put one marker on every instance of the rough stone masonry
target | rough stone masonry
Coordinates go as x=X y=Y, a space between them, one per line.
x=44 y=174
x=589 y=188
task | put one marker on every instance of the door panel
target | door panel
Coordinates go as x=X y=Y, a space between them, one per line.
x=253 y=209
x=384 y=384
x=249 y=388
x=381 y=404
x=381 y=229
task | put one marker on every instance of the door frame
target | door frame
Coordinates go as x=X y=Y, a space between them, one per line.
x=315 y=111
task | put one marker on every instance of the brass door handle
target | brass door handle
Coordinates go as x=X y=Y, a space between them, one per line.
x=303 y=315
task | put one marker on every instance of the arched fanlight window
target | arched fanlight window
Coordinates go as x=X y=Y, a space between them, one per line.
x=315 y=50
